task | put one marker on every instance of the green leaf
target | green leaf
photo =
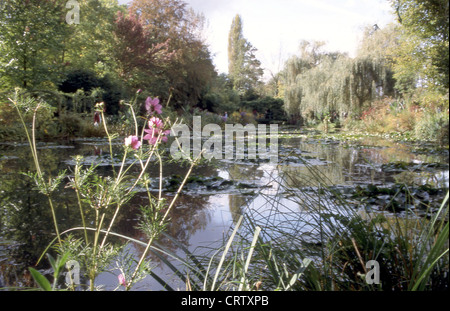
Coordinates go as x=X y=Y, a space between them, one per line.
x=40 y=280
x=305 y=263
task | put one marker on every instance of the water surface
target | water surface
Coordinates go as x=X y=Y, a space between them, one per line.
x=212 y=200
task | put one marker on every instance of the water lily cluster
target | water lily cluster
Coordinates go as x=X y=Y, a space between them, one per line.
x=155 y=132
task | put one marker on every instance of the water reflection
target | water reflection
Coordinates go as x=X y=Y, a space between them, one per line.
x=204 y=212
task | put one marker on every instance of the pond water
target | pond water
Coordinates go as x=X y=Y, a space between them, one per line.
x=214 y=197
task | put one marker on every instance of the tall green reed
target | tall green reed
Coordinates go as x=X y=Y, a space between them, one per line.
x=341 y=238
x=307 y=236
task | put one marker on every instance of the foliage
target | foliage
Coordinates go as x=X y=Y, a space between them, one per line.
x=90 y=44
x=264 y=106
x=31 y=41
x=422 y=57
x=220 y=97
x=243 y=68
x=57 y=266
x=433 y=127
x=318 y=82
x=161 y=50
x=70 y=125
x=157 y=46
x=79 y=79
x=381 y=118
x=85 y=85
x=38 y=45
x=137 y=56
x=390 y=62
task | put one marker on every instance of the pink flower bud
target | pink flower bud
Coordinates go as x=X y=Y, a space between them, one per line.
x=122 y=280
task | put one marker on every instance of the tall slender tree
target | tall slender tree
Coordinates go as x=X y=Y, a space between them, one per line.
x=244 y=68
x=236 y=44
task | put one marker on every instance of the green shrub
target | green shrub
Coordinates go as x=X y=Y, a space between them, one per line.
x=263 y=105
x=70 y=124
x=94 y=89
x=433 y=127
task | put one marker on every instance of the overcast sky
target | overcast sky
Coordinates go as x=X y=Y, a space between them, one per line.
x=276 y=27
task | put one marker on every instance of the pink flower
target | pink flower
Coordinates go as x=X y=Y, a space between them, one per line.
x=153 y=105
x=152 y=136
x=133 y=141
x=122 y=280
x=155 y=123
x=156 y=131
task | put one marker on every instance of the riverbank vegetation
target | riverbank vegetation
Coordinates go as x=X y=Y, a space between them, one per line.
x=396 y=83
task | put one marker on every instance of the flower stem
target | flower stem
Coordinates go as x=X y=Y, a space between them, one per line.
x=32 y=143
x=150 y=242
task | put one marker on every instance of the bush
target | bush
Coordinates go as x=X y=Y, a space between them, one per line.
x=70 y=124
x=267 y=104
x=8 y=133
x=79 y=79
x=104 y=89
x=207 y=117
x=389 y=116
x=243 y=117
x=73 y=125
x=220 y=101
x=433 y=127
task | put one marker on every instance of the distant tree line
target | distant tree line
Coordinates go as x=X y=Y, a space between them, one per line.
x=153 y=45
x=158 y=46
x=408 y=59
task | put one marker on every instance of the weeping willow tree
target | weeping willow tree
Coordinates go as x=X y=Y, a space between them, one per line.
x=295 y=68
x=325 y=87
x=371 y=75
x=319 y=83
x=292 y=91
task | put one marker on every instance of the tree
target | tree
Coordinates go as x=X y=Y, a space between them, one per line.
x=296 y=67
x=90 y=43
x=243 y=67
x=423 y=54
x=319 y=83
x=371 y=75
x=236 y=42
x=183 y=62
x=31 y=41
x=324 y=87
x=140 y=61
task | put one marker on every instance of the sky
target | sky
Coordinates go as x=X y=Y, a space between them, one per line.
x=276 y=27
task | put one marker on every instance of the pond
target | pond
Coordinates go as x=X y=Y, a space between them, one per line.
x=215 y=194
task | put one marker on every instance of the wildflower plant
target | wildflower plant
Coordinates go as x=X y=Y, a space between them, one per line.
x=102 y=197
